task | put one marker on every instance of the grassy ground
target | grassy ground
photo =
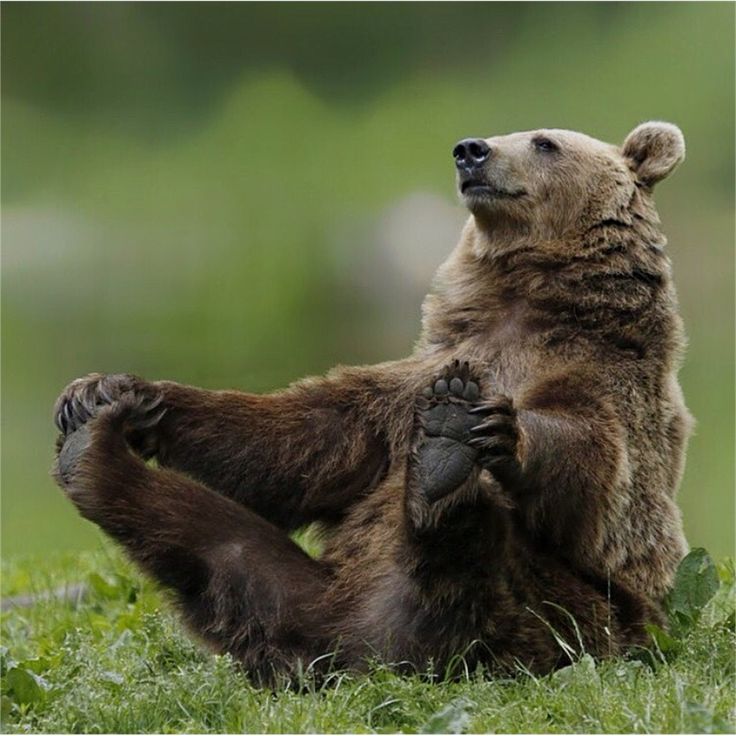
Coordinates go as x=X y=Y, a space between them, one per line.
x=118 y=661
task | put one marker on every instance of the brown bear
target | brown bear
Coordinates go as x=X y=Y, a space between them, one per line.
x=504 y=495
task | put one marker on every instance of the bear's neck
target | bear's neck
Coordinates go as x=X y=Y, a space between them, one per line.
x=607 y=281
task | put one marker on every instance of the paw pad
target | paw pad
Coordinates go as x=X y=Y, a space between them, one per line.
x=456 y=382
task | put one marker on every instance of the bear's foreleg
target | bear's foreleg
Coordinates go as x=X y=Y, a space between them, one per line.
x=242 y=584
x=572 y=464
x=295 y=456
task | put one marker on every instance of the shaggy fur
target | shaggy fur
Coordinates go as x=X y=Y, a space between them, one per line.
x=509 y=485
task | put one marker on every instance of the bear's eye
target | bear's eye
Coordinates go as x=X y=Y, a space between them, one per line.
x=545 y=144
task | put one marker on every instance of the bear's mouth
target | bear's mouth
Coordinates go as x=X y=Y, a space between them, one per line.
x=483 y=188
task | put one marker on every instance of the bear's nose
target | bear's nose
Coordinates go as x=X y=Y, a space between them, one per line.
x=470 y=152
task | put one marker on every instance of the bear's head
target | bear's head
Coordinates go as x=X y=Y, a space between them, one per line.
x=551 y=184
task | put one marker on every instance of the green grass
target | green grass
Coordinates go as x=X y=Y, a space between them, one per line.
x=120 y=662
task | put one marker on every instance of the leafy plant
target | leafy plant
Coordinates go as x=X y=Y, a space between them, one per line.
x=697 y=581
x=22 y=685
x=453 y=718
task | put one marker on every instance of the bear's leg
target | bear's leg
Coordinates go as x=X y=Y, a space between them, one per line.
x=455 y=438
x=459 y=544
x=242 y=584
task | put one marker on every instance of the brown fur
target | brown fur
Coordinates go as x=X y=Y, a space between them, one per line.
x=561 y=299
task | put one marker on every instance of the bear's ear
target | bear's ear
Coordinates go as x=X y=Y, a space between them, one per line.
x=653 y=150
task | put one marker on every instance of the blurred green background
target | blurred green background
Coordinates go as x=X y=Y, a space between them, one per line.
x=236 y=195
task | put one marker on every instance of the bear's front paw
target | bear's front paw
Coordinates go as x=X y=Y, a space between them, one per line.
x=136 y=402
x=96 y=457
x=83 y=398
x=496 y=437
x=112 y=431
